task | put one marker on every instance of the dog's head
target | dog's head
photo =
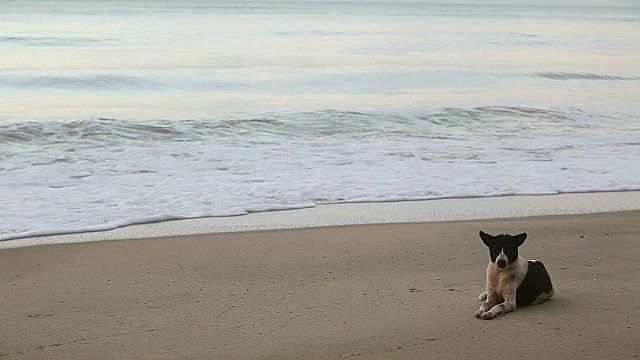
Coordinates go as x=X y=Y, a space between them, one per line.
x=503 y=249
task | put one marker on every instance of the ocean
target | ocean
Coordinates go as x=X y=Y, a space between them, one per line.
x=123 y=112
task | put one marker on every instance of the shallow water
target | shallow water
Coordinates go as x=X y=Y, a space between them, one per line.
x=114 y=113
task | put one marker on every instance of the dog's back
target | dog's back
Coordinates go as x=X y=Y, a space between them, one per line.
x=536 y=286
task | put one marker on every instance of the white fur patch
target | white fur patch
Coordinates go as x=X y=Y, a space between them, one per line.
x=543 y=297
x=502 y=256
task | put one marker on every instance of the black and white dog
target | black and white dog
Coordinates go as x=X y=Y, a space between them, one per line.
x=511 y=280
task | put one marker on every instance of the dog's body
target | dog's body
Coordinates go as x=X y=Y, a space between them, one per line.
x=511 y=280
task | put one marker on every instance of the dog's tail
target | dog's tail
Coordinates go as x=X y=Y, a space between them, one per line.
x=483 y=296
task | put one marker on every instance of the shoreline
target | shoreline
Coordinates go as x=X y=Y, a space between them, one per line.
x=362 y=213
x=387 y=291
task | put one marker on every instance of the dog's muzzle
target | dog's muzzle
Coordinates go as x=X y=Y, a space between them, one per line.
x=501 y=264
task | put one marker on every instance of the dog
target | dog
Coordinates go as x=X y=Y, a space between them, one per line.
x=511 y=280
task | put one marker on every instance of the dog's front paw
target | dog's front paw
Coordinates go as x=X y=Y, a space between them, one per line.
x=487 y=315
x=479 y=313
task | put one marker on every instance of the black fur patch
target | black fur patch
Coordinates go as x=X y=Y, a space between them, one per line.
x=536 y=282
x=504 y=242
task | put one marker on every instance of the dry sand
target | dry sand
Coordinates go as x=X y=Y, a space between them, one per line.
x=401 y=291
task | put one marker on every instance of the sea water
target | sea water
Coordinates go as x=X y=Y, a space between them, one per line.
x=121 y=112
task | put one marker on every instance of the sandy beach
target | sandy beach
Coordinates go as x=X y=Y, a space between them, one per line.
x=393 y=291
x=306 y=179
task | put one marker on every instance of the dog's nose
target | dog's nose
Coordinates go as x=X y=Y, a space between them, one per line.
x=501 y=264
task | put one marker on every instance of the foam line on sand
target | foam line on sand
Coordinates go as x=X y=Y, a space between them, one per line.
x=365 y=213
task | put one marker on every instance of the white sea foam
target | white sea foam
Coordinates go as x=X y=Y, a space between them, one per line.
x=90 y=175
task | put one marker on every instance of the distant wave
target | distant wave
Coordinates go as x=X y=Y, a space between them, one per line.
x=525 y=35
x=88 y=81
x=583 y=76
x=52 y=41
x=317 y=33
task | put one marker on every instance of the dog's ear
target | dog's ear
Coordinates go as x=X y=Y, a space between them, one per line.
x=519 y=239
x=486 y=238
